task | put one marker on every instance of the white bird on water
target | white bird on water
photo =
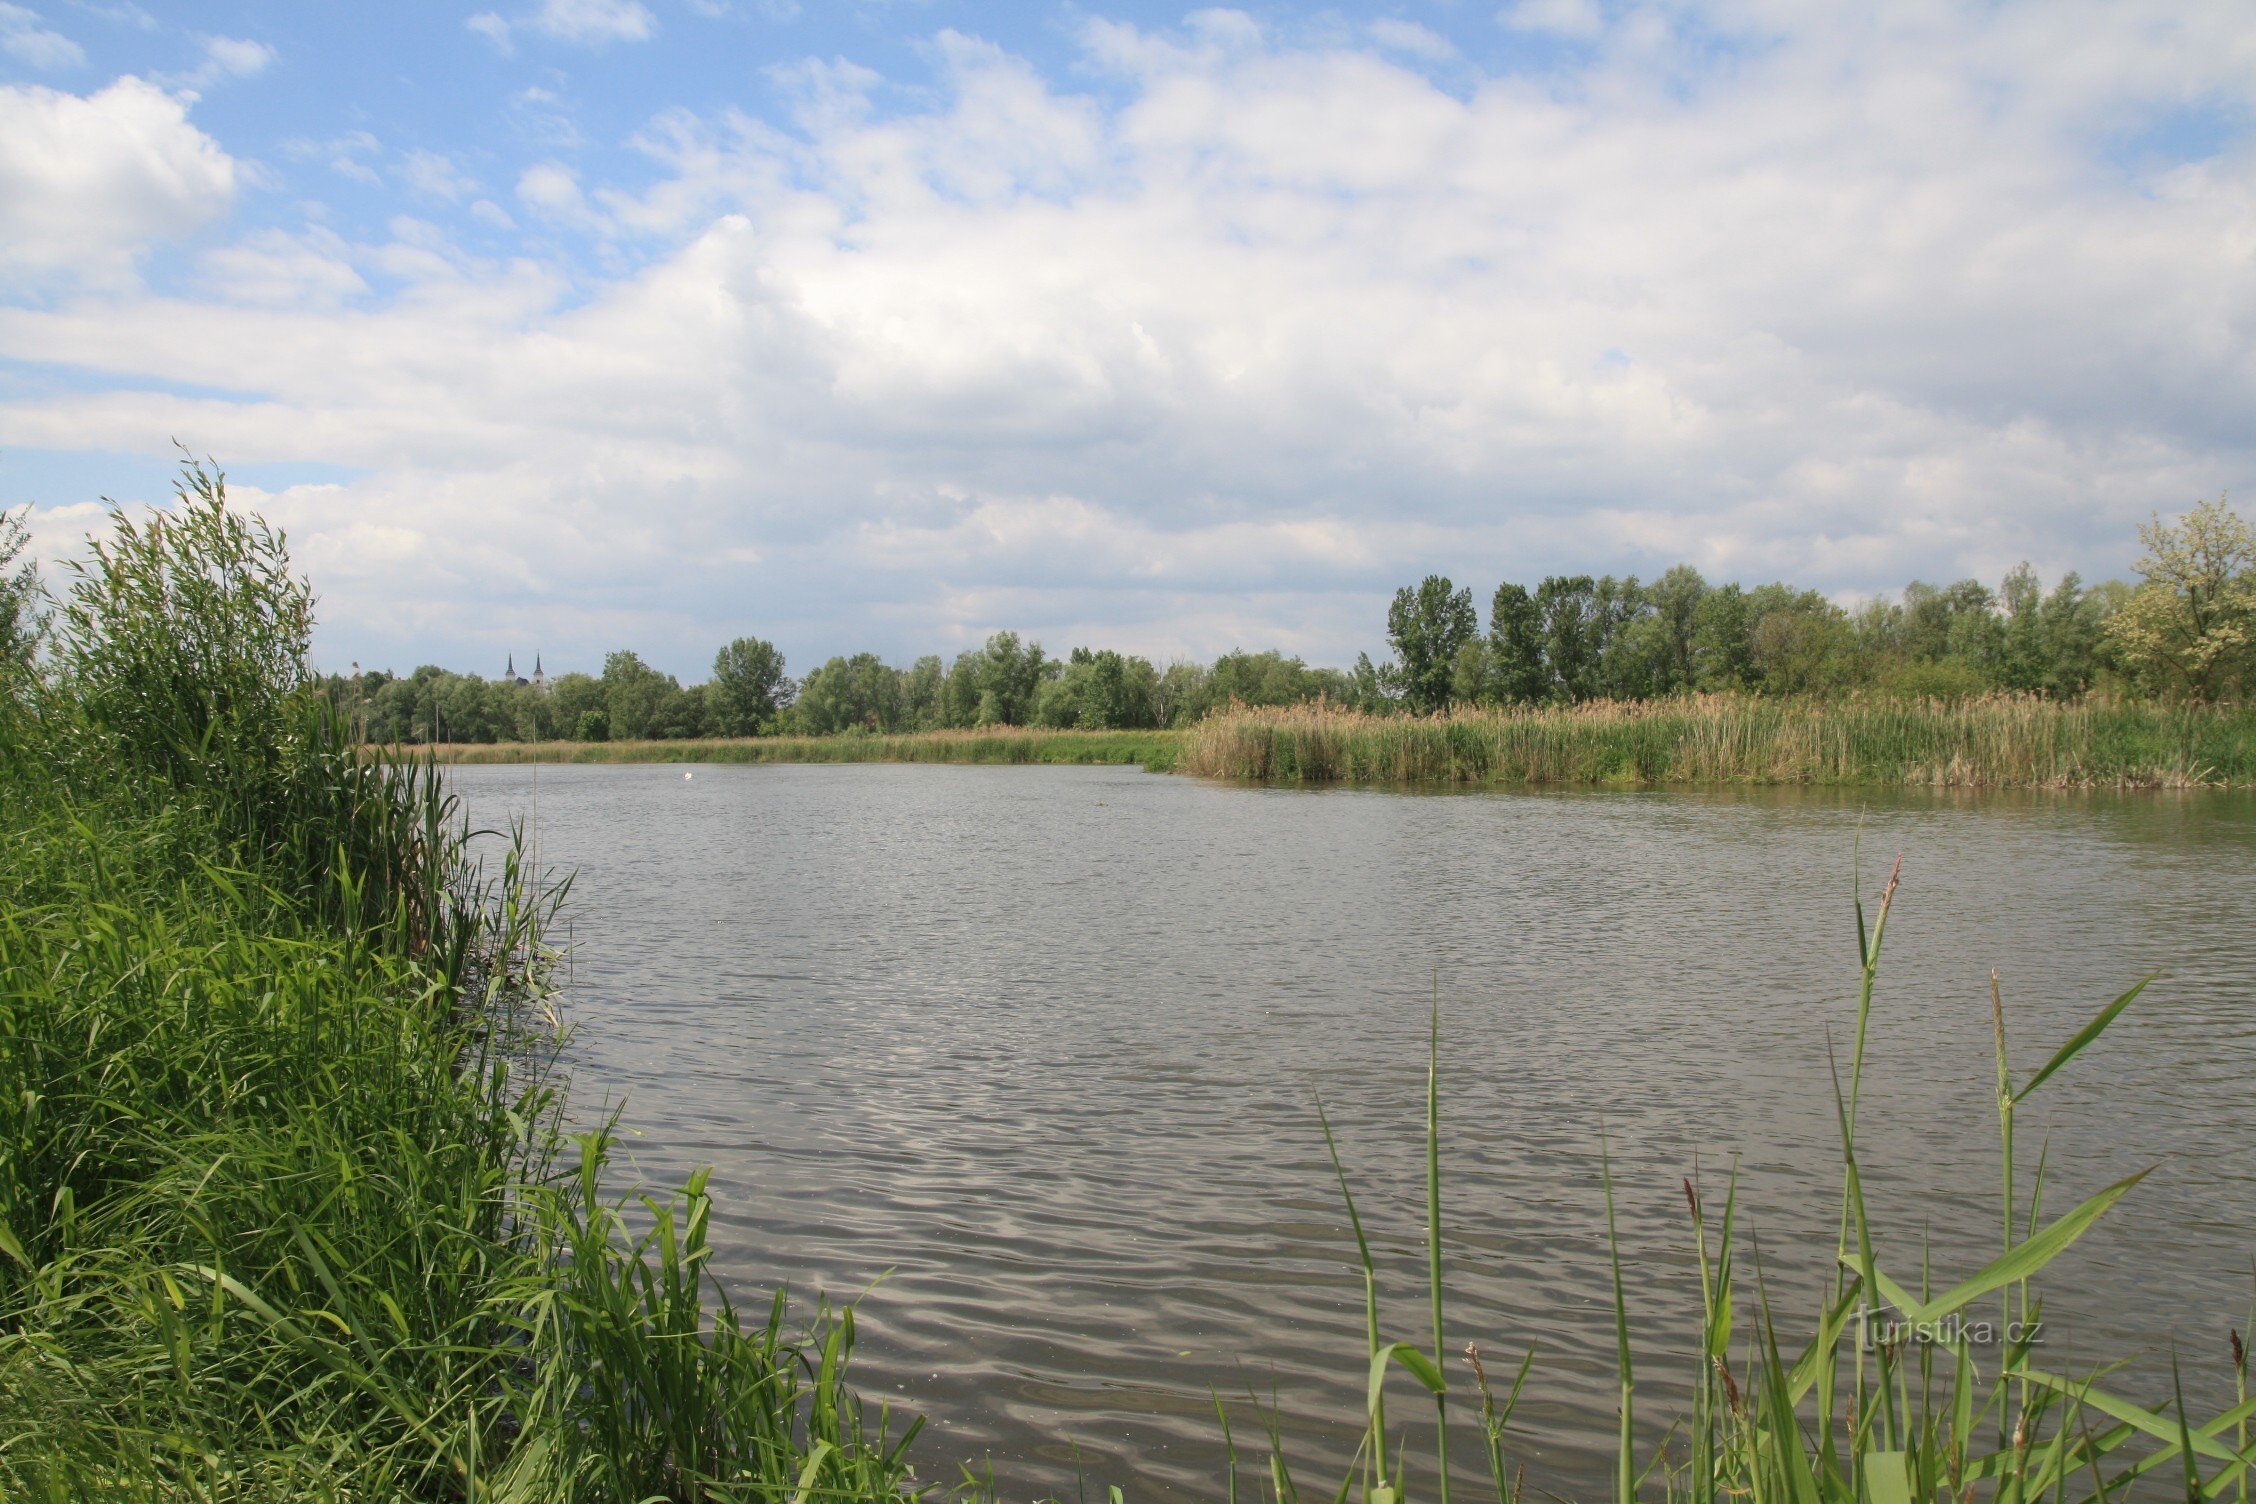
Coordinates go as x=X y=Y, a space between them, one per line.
x=686 y=777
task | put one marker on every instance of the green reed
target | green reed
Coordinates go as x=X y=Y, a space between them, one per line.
x=2000 y=741
x=285 y=1211
x=1830 y=1417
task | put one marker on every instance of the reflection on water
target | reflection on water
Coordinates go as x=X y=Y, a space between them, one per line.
x=1042 y=1045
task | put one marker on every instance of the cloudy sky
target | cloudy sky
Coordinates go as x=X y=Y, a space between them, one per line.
x=562 y=325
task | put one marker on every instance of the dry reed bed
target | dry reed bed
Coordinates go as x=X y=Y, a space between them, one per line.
x=2004 y=741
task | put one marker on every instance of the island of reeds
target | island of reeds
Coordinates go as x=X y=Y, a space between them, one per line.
x=286 y=1214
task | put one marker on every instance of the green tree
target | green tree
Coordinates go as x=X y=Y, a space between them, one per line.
x=1181 y=697
x=687 y=714
x=748 y=689
x=1957 y=622
x=574 y=697
x=2021 y=656
x=2071 y=630
x=1011 y=673
x=1427 y=627
x=1722 y=654
x=1801 y=643
x=466 y=704
x=1269 y=678
x=860 y=693
x=1100 y=690
x=1675 y=601
x=1517 y=673
x=1472 y=680
x=2190 y=626
x=1572 y=635
x=635 y=696
x=924 y=694
x=1628 y=651
x=1378 y=687
x=960 y=695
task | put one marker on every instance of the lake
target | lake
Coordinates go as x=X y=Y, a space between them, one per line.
x=1042 y=1047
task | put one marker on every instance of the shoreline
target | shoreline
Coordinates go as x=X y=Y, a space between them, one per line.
x=1994 y=742
x=1155 y=751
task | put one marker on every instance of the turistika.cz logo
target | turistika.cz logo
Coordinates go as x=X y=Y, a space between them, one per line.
x=1875 y=1331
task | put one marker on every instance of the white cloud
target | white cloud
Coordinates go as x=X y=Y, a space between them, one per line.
x=25 y=39
x=494 y=29
x=1567 y=18
x=280 y=270
x=346 y=155
x=550 y=190
x=1410 y=38
x=540 y=116
x=223 y=58
x=87 y=181
x=437 y=175
x=235 y=57
x=593 y=21
x=1222 y=357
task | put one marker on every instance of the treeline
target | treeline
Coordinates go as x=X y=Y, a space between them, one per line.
x=1575 y=638
x=1008 y=682
x=2186 y=630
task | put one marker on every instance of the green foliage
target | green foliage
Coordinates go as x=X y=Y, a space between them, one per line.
x=1574 y=634
x=848 y=694
x=181 y=646
x=283 y=1210
x=1517 y=674
x=748 y=689
x=637 y=697
x=1578 y=639
x=19 y=595
x=2190 y=627
x=1427 y=627
x=19 y=632
x=1100 y=690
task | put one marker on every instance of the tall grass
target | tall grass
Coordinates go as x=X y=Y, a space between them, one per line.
x=284 y=1210
x=1887 y=1397
x=2001 y=741
x=1155 y=750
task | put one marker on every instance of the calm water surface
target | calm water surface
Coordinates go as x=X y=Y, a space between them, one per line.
x=1042 y=1047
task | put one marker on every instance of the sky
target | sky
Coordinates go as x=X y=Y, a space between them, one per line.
x=559 y=326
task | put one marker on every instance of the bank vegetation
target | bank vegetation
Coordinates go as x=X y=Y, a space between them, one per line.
x=1996 y=741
